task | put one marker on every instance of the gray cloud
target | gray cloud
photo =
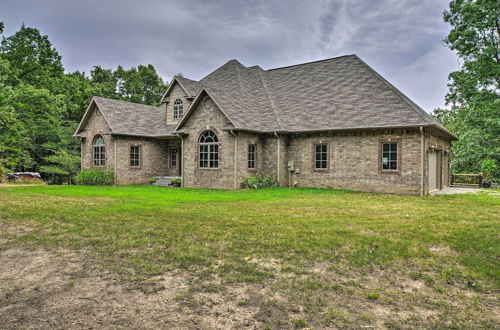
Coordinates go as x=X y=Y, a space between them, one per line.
x=401 y=39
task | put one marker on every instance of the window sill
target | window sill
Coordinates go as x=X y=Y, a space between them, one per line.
x=397 y=172
x=208 y=169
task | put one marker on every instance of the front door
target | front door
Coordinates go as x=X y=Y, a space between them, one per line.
x=175 y=164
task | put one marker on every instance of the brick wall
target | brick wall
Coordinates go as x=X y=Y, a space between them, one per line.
x=353 y=162
x=206 y=116
x=96 y=124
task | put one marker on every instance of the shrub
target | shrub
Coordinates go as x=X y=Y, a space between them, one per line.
x=152 y=180
x=95 y=178
x=258 y=181
x=489 y=168
x=176 y=180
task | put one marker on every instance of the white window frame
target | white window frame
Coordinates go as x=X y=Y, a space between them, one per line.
x=208 y=150
x=178 y=109
x=98 y=151
x=135 y=156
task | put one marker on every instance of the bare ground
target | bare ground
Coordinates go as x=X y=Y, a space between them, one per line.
x=39 y=289
x=64 y=290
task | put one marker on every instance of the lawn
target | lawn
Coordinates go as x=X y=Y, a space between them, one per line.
x=300 y=257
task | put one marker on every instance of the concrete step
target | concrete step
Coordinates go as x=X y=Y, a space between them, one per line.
x=163 y=181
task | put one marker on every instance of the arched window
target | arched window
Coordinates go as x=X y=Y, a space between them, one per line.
x=209 y=150
x=178 y=109
x=99 y=151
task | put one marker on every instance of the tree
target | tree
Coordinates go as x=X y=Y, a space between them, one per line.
x=32 y=58
x=2 y=26
x=61 y=165
x=140 y=85
x=474 y=90
x=41 y=106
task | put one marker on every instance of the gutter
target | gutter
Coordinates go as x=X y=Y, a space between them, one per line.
x=335 y=129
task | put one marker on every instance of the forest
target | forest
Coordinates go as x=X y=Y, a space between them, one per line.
x=41 y=104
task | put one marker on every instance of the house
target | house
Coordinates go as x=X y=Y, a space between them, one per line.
x=333 y=123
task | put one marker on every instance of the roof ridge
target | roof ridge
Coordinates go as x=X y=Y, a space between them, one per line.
x=122 y=101
x=305 y=63
x=219 y=68
x=186 y=78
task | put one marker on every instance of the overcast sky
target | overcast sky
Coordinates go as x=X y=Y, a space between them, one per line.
x=401 y=39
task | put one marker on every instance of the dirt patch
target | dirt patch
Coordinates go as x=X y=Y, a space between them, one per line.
x=65 y=289
x=39 y=289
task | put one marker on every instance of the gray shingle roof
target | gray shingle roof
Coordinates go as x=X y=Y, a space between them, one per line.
x=337 y=93
x=191 y=86
x=134 y=119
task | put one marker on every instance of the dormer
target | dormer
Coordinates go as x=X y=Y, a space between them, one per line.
x=178 y=98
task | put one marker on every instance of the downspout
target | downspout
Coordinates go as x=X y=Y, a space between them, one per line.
x=235 y=159
x=116 y=173
x=82 y=149
x=422 y=160
x=182 y=161
x=279 y=156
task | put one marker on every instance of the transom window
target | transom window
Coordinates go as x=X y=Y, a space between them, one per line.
x=390 y=156
x=178 y=109
x=173 y=157
x=209 y=150
x=251 y=155
x=320 y=156
x=135 y=156
x=99 y=151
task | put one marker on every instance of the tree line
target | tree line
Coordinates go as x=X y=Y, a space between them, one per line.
x=473 y=100
x=41 y=105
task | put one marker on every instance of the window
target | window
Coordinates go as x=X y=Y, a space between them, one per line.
x=99 y=151
x=320 y=156
x=209 y=150
x=389 y=156
x=251 y=156
x=178 y=109
x=173 y=157
x=135 y=156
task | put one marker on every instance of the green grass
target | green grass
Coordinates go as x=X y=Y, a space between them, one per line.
x=255 y=236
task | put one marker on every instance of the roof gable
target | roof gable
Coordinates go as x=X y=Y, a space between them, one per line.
x=190 y=87
x=204 y=92
x=88 y=114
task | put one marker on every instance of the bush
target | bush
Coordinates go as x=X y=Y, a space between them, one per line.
x=258 y=181
x=95 y=178
x=176 y=180
x=489 y=168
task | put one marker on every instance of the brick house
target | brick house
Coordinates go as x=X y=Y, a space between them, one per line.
x=334 y=123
